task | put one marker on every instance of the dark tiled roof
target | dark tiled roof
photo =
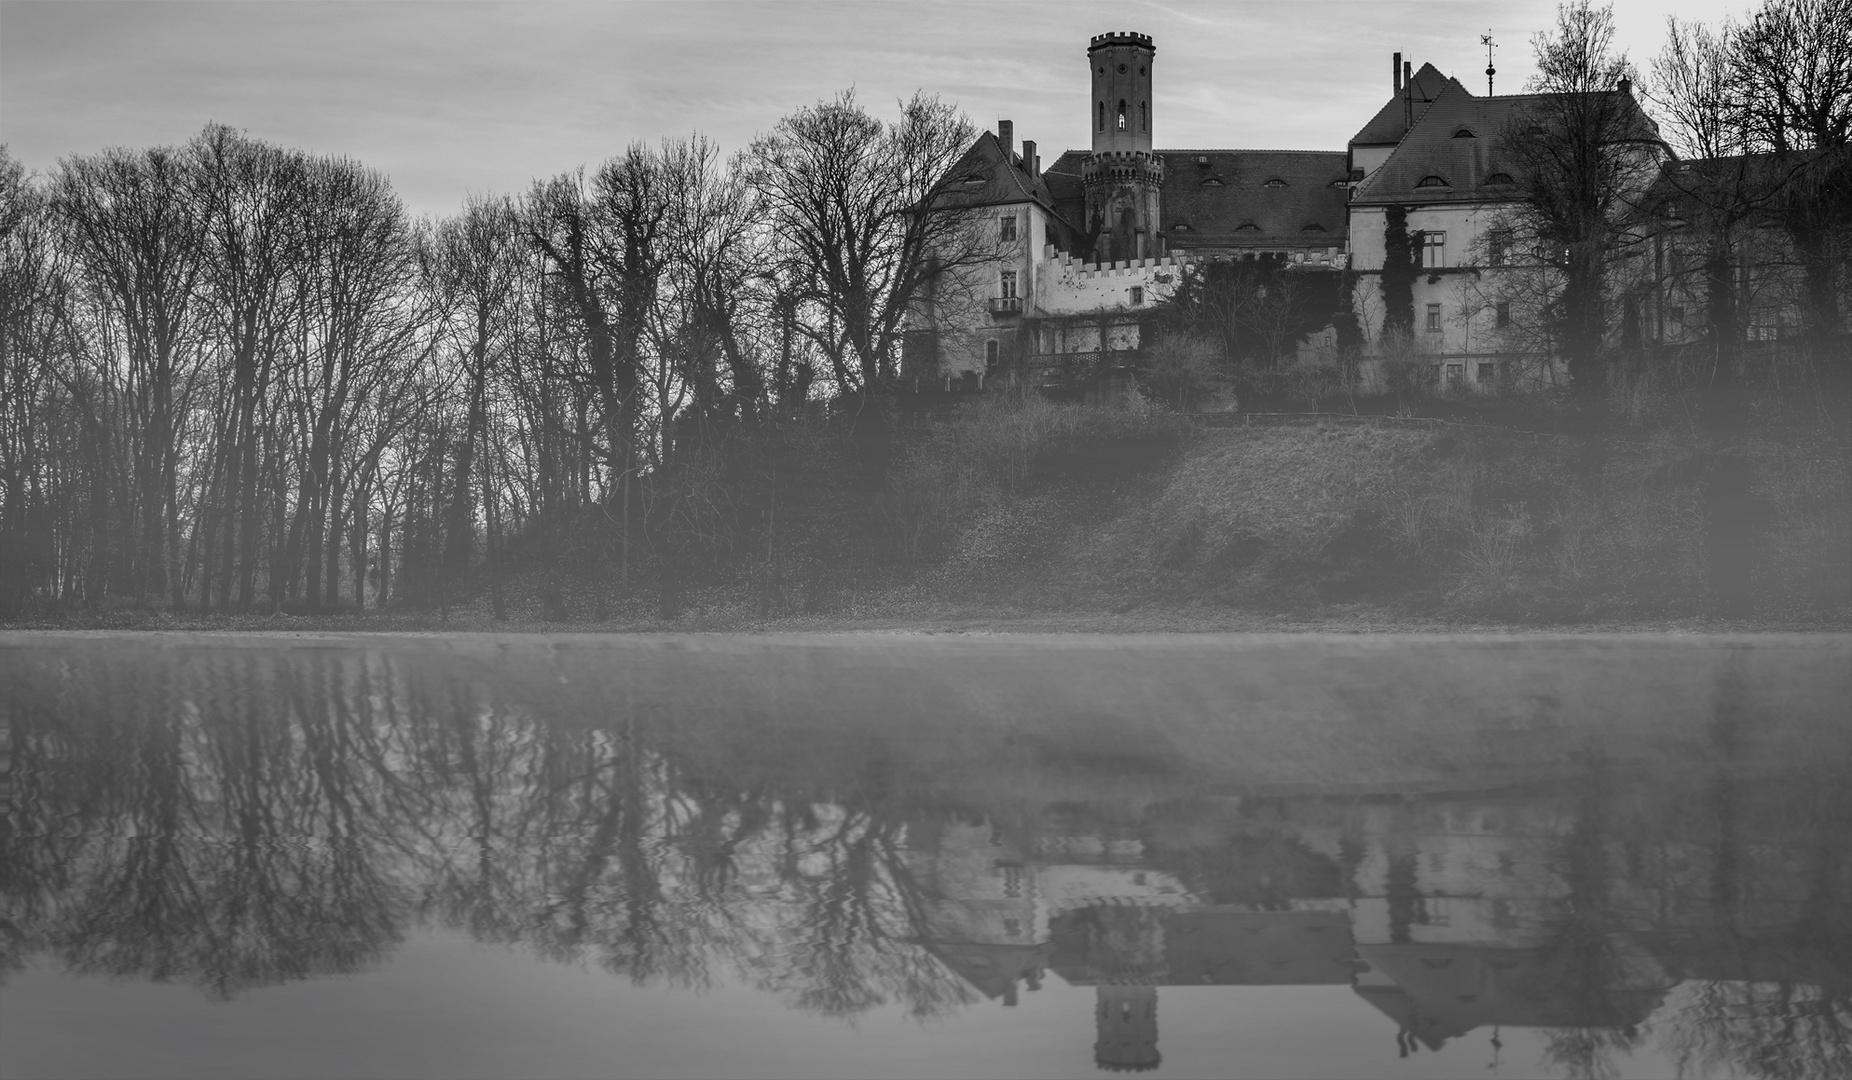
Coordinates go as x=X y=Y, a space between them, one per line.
x=1242 y=210
x=1430 y=149
x=1388 y=125
x=1063 y=179
x=1215 y=213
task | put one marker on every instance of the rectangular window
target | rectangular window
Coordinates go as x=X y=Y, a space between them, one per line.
x=1503 y=311
x=1138 y=294
x=1498 y=246
x=1007 y=284
x=1676 y=313
x=1488 y=374
x=990 y=353
x=1456 y=374
x=1006 y=227
x=1434 y=318
x=1434 y=249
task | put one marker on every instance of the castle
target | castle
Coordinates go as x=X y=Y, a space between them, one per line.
x=1082 y=251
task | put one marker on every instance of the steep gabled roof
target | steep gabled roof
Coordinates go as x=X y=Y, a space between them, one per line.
x=987 y=175
x=1254 y=198
x=1437 y=148
x=1389 y=124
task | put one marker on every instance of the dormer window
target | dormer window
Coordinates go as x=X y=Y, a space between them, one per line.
x=1499 y=179
x=1180 y=227
x=1432 y=181
x=1276 y=182
x=1247 y=226
x=1214 y=181
x=1313 y=227
x=1465 y=133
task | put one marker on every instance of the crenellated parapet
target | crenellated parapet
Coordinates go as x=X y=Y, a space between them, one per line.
x=1065 y=265
x=1069 y=286
x=1116 y=168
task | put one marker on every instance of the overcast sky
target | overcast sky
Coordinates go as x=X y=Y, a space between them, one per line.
x=450 y=98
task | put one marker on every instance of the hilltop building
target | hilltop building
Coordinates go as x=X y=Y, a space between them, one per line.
x=1087 y=248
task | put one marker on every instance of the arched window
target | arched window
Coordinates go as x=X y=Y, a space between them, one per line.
x=1313 y=227
x=1499 y=179
x=1121 y=114
x=1102 y=120
x=1276 y=182
x=1432 y=181
x=1144 y=116
x=1213 y=181
x=1465 y=133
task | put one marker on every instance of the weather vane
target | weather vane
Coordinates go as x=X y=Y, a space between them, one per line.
x=1486 y=40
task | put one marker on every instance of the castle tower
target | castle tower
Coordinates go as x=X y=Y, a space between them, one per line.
x=1122 y=176
x=1125 y=1023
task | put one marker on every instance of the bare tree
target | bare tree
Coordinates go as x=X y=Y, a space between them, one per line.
x=1794 y=60
x=1586 y=154
x=135 y=227
x=850 y=199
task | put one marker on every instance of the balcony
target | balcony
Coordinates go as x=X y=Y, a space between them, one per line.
x=1006 y=305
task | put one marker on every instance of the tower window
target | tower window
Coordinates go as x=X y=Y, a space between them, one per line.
x=1144 y=116
x=1102 y=121
x=1006 y=227
x=1138 y=294
x=1121 y=114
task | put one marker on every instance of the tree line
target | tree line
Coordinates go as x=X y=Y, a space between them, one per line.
x=237 y=375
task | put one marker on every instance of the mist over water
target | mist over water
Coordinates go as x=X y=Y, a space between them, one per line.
x=926 y=856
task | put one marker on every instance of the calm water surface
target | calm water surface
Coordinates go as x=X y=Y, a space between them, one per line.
x=925 y=856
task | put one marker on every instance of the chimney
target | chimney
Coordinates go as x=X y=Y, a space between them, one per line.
x=1029 y=164
x=1408 y=94
x=1626 y=86
x=1395 y=72
x=1006 y=134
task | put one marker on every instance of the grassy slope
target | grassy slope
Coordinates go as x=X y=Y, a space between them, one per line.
x=1093 y=524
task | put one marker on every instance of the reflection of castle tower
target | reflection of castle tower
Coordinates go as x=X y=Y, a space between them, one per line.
x=1125 y=1018
x=1122 y=176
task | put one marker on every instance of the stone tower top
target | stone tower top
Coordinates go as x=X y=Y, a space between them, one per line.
x=1121 y=66
x=1121 y=37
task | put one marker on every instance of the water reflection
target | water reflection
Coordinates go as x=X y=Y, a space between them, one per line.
x=238 y=818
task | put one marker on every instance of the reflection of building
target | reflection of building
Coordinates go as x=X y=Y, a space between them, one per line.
x=1440 y=992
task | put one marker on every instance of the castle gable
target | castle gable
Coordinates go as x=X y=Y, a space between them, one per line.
x=1390 y=123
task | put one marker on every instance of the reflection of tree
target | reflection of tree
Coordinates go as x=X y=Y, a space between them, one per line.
x=235 y=821
x=230 y=819
x=1593 y=982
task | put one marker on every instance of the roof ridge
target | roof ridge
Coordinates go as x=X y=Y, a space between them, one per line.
x=1243 y=150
